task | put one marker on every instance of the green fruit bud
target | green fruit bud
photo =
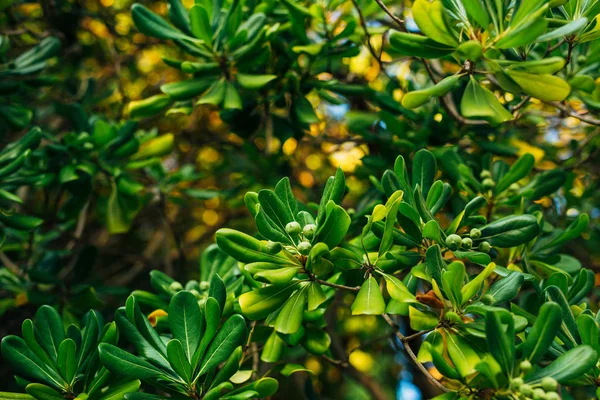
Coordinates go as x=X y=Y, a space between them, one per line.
x=488 y=299
x=526 y=390
x=175 y=286
x=514 y=187
x=309 y=231
x=525 y=366
x=475 y=233
x=467 y=243
x=485 y=247
x=204 y=285
x=549 y=384
x=488 y=183
x=293 y=228
x=485 y=174
x=304 y=248
x=453 y=241
x=196 y=294
x=539 y=394
x=273 y=247
x=516 y=383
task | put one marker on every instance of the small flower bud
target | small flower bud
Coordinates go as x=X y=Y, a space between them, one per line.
x=525 y=366
x=475 y=233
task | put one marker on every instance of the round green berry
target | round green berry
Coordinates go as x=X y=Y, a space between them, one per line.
x=309 y=231
x=304 y=248
x=488 y=183
x=485 y=174
x=549 y=384
x=525 y=366
x=516 y=383
x=453 y=241
x=204 y=285
x=467 y=243
x=293 y=228
x=526 y=390
x=488 y=299
x=539 y=394
x=514 y=187
x=485 y=247
x=475 y=233
x=175 y=286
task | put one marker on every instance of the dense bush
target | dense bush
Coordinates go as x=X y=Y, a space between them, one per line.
x=456 y=237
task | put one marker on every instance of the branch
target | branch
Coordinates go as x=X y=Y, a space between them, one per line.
x=572 y=113
x=335 y=285
x=411 y=353
x=397 y=20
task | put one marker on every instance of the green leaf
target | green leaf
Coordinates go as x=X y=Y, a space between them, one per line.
x=543 y=332
x=273 y=350
x=573 y=231
x=43 y=392
x=500 y=337
x=187 y=89
x=231 y=99
x=49 y=330
x=121 y=362
x=398 y=290
x=519 y=170
x=462 y=354
x=391 y=207
x=369 y=299
x=200 y=23
x=429 y=17
x=231 y=335
x=261 y=302
x=151 y=24
x=545 y=87
x=316 y=296
x=565 y=30
x=480 y=103
x=506 y=288
x=118 y=392
x=511 y=231
x=570 y=365
x=254 y=82
x=408 y=44
x=291 y=314
x=424 y=170
x=149 y=107
x=475 y=284
x=422 y=320
x=26 y=363
x=477 y=12
x=589 y=331
x=334 y=228
x=179 y=360
x=67 y=362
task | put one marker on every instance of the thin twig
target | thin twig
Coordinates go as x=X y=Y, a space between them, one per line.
x=411 y=353
x=572 y=113
x=397 y=20
x=363 y=23
x=335 y=285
